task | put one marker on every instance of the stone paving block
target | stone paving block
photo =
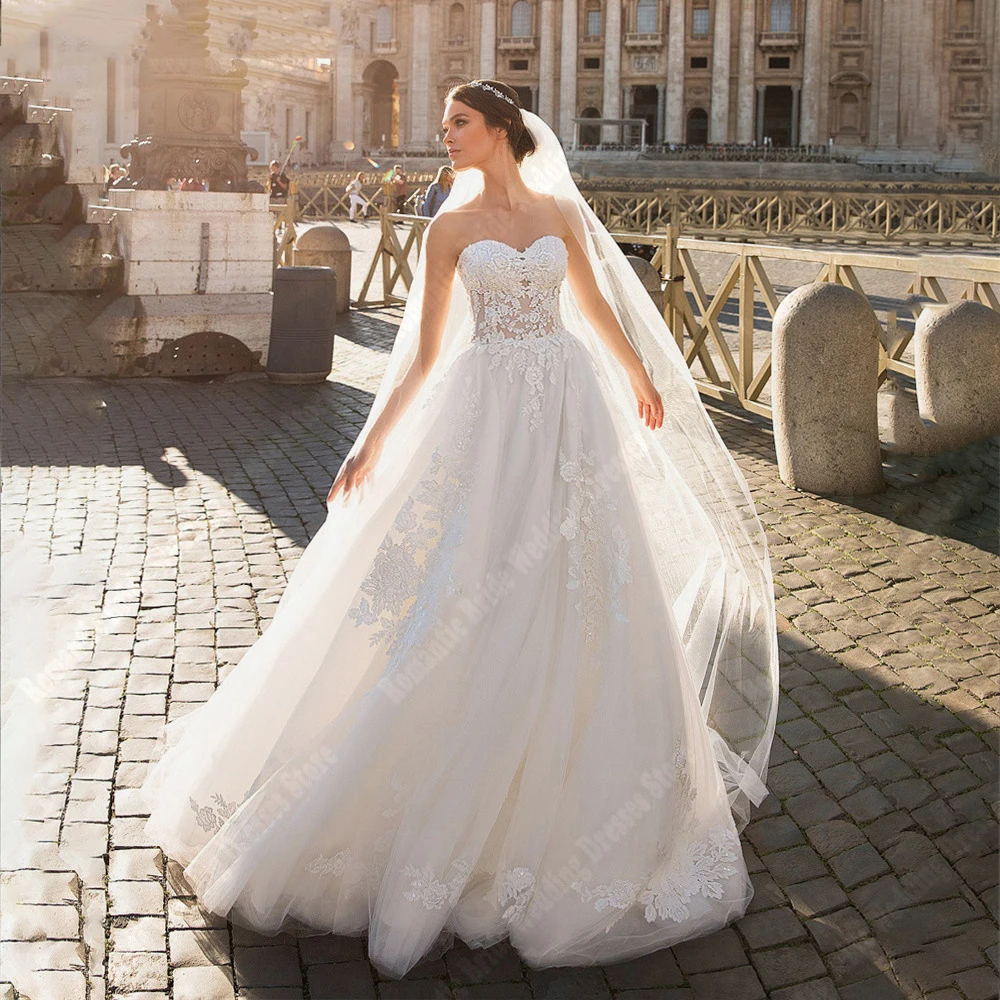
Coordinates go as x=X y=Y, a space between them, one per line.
x=345 y=979
x=815 y=989
x=438 y=989
x=771 y=927
x=733 y=984
x=203 y=983
x=521 y=991
x=812 y=899
x=858 y=864
x=138 y=934
x=784 y=966
x=135 y=899
x=199 y=947
x=135 y=864
x=720 y=950
x=797 y=864
x=130 y=971
x=267 y=966
x=861 y=960
x=501 y=963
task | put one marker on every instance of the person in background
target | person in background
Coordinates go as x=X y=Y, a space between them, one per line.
x=173 y=184
x=398 y=185
x=437 y=192
x=357 y=198
x=277 y=181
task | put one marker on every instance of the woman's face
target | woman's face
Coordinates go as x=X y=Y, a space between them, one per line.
x=469 y=140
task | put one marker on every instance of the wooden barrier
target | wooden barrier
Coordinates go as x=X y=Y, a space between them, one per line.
x=693 y=311
x=903 y=213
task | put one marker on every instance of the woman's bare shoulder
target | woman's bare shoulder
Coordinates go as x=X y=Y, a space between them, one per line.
x=443 y=238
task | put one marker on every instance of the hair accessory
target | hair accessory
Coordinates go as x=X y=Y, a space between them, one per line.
x=493 y=90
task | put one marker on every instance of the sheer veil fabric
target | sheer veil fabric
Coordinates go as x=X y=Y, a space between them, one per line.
x=711 y=550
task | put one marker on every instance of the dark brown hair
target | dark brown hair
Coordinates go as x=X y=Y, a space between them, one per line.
x=497 y=112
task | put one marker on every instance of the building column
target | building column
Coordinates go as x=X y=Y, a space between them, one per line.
x=747 y=67
x=567 y=71
x=348 y=126
x=488 y=41
x=661 y=102
x=796 y=111
x=887 y=109
x=612 y=69
x=628 y=97
x=811 y=56
x=674 y=130
x=761 y=94
x=718 y=124
x=420 y=73
x=547 y=64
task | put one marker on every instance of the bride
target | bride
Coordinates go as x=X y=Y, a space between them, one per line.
x=523 y=681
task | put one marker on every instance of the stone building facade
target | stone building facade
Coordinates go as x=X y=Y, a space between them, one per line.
x=893 y=76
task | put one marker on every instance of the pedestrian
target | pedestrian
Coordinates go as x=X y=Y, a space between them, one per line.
x=438 y=192
x=277 y=181
x=357 y=198
x=398 y=184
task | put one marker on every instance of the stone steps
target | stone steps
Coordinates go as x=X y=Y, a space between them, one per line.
x=47 y=258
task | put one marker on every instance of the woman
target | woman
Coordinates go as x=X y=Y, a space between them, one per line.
x=438 y=191
x=357 y=199
x=523 y=681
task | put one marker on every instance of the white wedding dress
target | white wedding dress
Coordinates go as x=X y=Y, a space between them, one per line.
x=501 y=736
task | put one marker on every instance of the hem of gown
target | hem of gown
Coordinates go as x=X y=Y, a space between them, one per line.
x=180 y=853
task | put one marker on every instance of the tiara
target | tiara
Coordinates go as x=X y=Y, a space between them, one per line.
x=493 y=90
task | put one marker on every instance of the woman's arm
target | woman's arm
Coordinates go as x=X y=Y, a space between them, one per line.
x=601 y=317
x=441 y=259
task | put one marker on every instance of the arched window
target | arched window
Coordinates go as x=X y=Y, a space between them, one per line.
x=645 y=16
x=850 y=114
x=383 y=24
x=697 y=127
x=781 y=15
x=520 y=19
x=456 y=22
x=593 y=26
x=590 y=135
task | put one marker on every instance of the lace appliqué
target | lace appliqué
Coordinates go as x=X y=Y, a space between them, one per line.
x=515 y=303
x=209 y=818
x=389 y=596
x=431 y=892
x=323 y=866
x=701 y=868
x=599 y=566
x=516 y=887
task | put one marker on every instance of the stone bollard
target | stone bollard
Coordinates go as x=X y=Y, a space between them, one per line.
x=649 y=277
x=901 y=429
x=327 y=245
x=824 y=383
x=956 y=358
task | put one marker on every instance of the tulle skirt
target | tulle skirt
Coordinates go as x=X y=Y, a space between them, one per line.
x=474 y=716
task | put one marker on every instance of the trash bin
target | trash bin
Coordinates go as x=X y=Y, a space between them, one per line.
x=303 y=316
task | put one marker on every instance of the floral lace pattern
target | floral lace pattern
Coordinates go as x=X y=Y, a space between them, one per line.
x=212 y=818
x=516 y=887
x=701 y=868
x=431 y=892
x=388 y=599
x=515 y=302
x=599 y=552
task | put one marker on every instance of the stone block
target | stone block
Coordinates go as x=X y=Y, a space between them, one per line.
x=824 y=371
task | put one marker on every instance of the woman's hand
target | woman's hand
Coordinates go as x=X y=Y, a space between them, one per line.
x=650 y=404
x=356 y=469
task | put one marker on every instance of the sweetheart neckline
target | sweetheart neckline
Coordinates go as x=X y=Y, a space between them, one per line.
x=520 y=253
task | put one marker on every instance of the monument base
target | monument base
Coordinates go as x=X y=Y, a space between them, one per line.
x=198 y=269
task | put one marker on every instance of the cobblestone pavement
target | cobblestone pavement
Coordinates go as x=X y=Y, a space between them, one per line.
x=186 y=505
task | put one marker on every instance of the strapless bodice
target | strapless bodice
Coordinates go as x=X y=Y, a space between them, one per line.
x=514 y=293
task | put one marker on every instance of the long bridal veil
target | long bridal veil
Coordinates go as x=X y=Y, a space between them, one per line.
x=710 y=549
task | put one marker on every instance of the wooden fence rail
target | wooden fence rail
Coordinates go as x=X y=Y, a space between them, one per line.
x=694 y=311
x=859 y=214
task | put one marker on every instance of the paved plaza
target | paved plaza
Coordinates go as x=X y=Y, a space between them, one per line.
x=181 y=507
